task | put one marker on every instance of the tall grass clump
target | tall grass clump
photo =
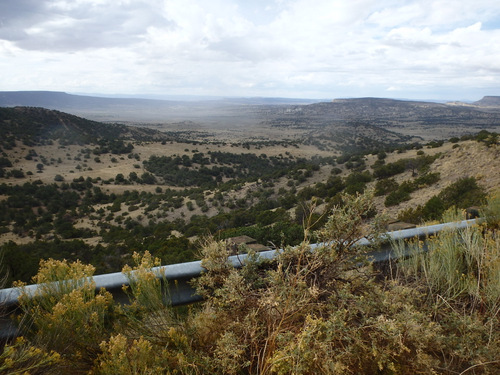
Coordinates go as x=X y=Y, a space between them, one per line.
x=145 y=283
x=149 y=314
x=457 y=265
x=458 y=272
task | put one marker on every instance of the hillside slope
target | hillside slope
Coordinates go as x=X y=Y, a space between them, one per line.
x=469 y=159
x=36 y=126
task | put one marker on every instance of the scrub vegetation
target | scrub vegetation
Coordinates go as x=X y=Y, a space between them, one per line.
x=80 y=190
x=79 y=198
x=306 y=312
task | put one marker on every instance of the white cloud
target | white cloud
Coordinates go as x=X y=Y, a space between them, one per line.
x=321 y=48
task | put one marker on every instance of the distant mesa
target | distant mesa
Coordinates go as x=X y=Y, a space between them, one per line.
x=368 y=100
x=488 y=101
x=46 y=99
x=64 y=101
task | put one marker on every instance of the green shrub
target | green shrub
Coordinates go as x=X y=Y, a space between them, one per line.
x=385 y=186
x=402 y=194
x=491 y=211
x=463 y=193
x=433 y=208
x=16 y=173
x=356 y=182
x=427 y=179
x=389 y=170
x=4 y=162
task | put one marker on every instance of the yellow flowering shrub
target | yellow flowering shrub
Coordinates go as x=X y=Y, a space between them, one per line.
x=66 y=314
x=22 y=358
x=123 y=356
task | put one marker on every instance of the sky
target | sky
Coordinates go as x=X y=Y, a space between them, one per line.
x=318 y=49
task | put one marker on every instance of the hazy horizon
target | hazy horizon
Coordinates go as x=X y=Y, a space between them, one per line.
x=187 y=97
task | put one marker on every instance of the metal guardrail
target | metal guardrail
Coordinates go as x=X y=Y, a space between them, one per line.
x=179 y=275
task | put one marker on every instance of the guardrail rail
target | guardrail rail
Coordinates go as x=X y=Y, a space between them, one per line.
x=178 y=276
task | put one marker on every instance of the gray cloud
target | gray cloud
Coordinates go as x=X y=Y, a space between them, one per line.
x=58 y=26
x=26 y=10
x=15 y=16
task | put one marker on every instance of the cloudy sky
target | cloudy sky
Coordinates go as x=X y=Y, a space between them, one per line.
x=425 y=49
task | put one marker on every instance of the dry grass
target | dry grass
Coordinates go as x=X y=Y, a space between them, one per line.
x=106 y=169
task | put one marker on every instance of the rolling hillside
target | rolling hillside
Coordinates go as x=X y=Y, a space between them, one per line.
x=78 y=189
x=36 y=126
